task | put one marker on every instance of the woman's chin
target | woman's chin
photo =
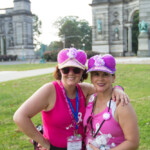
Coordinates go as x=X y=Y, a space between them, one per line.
x=71 y=83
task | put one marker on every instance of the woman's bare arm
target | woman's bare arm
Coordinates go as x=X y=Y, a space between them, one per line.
x=118 y=95
x=42 y=99
x=127 y=119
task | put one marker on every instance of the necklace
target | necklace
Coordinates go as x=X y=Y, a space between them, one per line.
x=106 y=116
x=73 y=114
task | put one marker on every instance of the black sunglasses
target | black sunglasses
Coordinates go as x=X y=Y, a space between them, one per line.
x=74 y=69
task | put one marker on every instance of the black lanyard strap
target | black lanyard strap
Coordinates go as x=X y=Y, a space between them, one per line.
x=90 y=120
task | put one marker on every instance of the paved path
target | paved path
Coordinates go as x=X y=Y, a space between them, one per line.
x=133 y=60
x=12 y=75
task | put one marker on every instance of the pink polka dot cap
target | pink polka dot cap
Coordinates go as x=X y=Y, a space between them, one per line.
x=104 y=63
x=71 y=57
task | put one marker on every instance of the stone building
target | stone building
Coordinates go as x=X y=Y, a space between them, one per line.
x=16 y=30
x=112 y=26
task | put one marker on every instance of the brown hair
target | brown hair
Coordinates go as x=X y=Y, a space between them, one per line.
x=57 y=74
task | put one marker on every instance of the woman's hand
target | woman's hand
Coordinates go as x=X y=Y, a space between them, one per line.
x=45 y=145
x=119 y=95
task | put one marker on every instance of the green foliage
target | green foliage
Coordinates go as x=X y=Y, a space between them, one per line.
x=13 y=94
x=37 y=24
x=8 y=57
x=136 y=81
x=75 y=32
x=91 y=53
x=50 y=55
x=135 y=32
x=134 y=78
x=55 y=45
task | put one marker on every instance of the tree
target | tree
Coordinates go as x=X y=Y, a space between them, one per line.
x=37 y=24
x=55 y=45
x=74 y=32
x=135 y=32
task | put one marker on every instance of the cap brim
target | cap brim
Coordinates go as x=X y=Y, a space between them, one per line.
x=70 y=63
x=101 y=68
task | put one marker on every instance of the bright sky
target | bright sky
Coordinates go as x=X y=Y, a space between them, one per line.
x=49 y=10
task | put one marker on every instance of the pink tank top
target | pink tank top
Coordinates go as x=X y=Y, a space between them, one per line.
x=57 y=123
x=110 y=126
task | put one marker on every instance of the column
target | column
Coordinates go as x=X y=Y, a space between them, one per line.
x=125 y=39
x=130 y=38
x=2 y=45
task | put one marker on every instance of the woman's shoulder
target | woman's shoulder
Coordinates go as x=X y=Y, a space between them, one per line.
x=48 y=87
x=87 y=88
x=126 y=107
x=125 y=111
x=48 y=94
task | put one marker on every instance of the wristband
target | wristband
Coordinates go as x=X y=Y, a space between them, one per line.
x=118 y=86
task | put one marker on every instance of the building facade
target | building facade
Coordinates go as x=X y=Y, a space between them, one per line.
x=16 y=30
x=112 y=26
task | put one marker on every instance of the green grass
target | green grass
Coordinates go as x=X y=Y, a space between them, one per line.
x=134 y=78
x=136 y=81
x=22 y=67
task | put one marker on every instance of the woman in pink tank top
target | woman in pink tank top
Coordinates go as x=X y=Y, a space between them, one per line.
x=108 y=126
x=62 y=104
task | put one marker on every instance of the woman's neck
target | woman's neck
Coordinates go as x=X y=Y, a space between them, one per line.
x=104 y=96
x=70 y=90
x=101 y=101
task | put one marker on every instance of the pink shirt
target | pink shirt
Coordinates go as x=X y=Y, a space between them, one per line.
x=57 y=123
x=110 y=126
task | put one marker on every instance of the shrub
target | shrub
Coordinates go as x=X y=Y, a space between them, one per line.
x=54 y=55
x=50 y=55
x=47 y=55
x=8 y=57
x=91 y=53
x=14 y=57
x=5 y=58
x=1 y=57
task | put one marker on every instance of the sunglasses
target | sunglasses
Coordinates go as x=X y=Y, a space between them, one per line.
x=74 y=69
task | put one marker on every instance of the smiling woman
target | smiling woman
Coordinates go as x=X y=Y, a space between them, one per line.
x=62 y=103
x=107 y=125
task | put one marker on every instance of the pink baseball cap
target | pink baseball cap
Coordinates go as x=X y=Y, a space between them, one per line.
x=71 y=57
x=104 y=63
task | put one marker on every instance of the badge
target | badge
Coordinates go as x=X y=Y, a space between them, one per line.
x=74 y=142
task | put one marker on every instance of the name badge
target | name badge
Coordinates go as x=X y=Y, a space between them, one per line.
x=74 y=142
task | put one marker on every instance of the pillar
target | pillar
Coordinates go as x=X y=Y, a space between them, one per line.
x=130 y=39
x=2 y=45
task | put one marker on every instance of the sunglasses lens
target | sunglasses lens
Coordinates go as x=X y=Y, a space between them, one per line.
x=76 y=70
x=65 y=70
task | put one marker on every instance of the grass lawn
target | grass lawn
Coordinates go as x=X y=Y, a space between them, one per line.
x=134 y=78
x=22 y=67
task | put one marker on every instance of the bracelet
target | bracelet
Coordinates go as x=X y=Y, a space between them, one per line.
x=118 y=86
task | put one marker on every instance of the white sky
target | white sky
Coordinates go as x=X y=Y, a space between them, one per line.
x=49 y=10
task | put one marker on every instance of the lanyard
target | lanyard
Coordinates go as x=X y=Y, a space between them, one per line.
x=70 y=107
x=91 y=122
x=75 y=114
